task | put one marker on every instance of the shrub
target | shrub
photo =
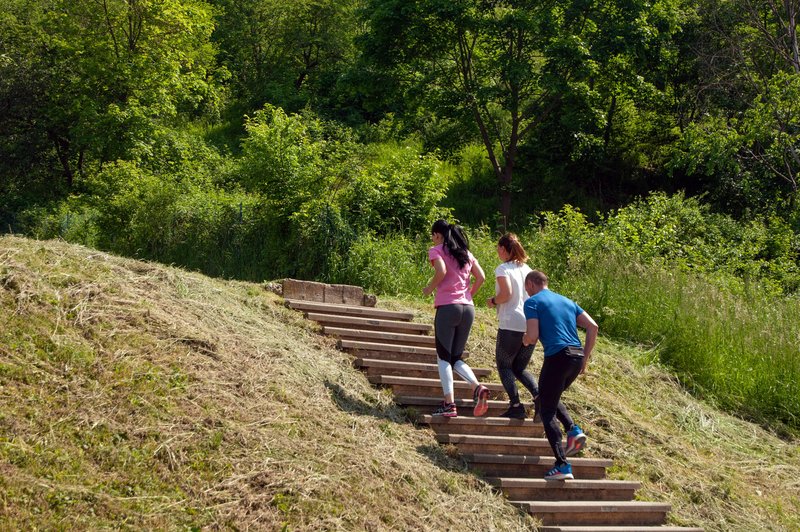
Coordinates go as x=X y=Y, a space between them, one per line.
x=393 y=264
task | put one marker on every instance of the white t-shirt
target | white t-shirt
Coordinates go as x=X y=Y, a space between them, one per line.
x=510 y=314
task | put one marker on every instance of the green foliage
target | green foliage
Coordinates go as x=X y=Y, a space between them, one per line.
x=398 y=189
x=286 y=53
x=393 y=264
x=281 y=159
x=705 y=291
x=471 y=194
x=291 y=205
x=97 y=81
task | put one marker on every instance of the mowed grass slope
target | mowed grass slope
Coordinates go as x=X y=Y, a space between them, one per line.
x=134 y=395
x=137 y=396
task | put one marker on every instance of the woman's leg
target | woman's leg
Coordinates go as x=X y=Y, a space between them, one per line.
x=504 y=352
x=520 y=367
x=445 y=323
x=460 y=336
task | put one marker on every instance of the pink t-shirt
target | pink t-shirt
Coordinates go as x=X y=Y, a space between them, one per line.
x=454 y=288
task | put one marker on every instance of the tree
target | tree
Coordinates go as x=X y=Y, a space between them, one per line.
x=506 y=66
x=91 y=78
x=746 y=138
x=282 y=52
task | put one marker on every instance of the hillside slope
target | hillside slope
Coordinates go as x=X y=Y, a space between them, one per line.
x=142 y=396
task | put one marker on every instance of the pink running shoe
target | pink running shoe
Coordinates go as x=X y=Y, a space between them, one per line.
x=481 y=398
x=446 y=410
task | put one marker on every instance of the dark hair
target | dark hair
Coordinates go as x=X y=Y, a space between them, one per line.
x=511 y=244
x=536 y=277
x=455 y=241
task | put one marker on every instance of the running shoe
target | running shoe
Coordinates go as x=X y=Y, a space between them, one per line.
x=514 y=412
x=446 y=410
x=576 y=440
x=560 y=472
x=481 y=398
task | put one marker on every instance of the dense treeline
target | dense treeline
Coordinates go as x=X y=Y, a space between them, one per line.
x=260 y=139
x=587 y=103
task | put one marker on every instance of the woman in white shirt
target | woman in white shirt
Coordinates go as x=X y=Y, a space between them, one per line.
x=511 y=355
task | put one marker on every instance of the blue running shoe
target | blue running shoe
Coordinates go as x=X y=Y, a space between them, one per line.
x=560 y=472
x=576 y=440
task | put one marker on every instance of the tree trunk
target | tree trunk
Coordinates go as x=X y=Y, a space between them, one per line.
x=62 y=151
x=505 y=196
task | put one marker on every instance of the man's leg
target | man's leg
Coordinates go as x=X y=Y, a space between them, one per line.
x=558 y=371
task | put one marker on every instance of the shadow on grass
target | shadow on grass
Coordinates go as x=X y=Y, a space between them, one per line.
x=353 y=404
x=445 y=457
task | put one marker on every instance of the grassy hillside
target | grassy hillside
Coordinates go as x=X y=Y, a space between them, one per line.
x=141 y=396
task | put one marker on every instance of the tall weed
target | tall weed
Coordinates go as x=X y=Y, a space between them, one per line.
x=738 y=351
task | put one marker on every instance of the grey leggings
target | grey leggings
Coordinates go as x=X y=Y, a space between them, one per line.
x=512 y=361
x=451 y=328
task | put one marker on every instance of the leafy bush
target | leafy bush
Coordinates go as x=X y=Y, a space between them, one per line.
x=398 y=189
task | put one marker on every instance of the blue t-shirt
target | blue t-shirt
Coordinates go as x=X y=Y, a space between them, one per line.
x=556 y=314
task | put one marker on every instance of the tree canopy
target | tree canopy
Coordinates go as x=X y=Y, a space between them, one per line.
x=580 y=101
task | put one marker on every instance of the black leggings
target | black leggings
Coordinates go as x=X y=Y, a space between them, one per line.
x=512 y=362
x=451 y=325
x=558 y=372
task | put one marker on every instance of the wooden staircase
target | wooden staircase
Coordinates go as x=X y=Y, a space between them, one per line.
x=510 y=454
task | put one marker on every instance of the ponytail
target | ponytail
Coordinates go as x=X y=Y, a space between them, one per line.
x=454 y=241
x=510 y=242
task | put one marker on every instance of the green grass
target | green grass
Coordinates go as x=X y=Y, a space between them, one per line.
x=141 y=396
x=736 y=350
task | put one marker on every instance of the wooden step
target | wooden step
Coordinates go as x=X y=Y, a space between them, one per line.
x=380 y=337
x=497 y=465
x=375 y=347
x=470 y=443
x=596 y=512
x=432 y=387
x=348 y=310
x=487 y=426
x=372 y=366
x=426 y=405
x=402 y=353
x=539 y=489
x=632 y=528
x=394 y=356
x=370 y=324
x=398 y=353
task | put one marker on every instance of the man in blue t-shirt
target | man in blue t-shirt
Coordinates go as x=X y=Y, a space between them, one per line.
x=554 y=319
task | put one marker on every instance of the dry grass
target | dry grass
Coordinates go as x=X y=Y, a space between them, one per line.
x=141 y=396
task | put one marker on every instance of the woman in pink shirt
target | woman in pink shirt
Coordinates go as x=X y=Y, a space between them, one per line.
x=454 y=266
